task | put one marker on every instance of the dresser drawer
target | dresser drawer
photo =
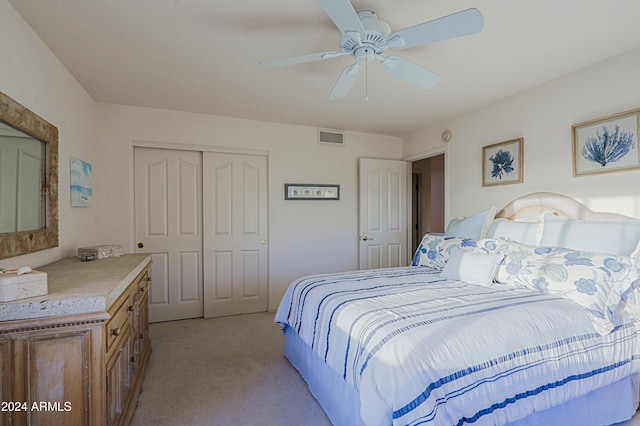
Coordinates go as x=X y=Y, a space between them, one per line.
x=143 y=284
x=120 y=320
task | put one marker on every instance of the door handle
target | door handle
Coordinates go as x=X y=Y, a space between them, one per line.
x=140 y=245
x=365 y=238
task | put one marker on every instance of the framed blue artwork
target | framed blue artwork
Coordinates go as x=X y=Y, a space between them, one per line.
x=502 y=163
x=606 y=144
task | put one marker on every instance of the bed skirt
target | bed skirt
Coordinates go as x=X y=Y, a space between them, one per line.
x=613 y=404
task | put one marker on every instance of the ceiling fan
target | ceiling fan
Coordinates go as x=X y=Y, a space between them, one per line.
x=366 y=37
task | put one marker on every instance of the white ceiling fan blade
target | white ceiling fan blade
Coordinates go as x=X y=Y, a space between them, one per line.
x=345 y=82
x=466 y=22
x=413 y=73
x=301 y=59
x=343 y=15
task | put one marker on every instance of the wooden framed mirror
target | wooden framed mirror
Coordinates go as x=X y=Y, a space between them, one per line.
x=28 y=180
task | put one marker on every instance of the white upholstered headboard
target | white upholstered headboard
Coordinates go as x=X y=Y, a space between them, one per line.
x=529 y=208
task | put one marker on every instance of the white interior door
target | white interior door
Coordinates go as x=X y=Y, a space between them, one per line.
x=235 y=234
x=168 y=206
x=383 y=217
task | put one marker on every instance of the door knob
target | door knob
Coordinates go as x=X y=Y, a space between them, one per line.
x=263 y=242
x=365 y=238
x=140 y=245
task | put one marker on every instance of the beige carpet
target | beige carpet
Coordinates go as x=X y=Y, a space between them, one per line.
x=223 y=371
x=226 y=371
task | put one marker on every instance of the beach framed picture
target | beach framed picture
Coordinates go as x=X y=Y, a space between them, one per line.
x=81 y=183
x=502 y=163
x=606 y=144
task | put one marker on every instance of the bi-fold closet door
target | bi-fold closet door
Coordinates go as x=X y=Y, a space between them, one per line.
x=203 y=218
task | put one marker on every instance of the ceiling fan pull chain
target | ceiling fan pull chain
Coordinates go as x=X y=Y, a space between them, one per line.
x=366 y=76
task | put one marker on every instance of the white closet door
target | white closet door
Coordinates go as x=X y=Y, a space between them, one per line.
x=383 y=218
x=168 y=206
x=235 y=234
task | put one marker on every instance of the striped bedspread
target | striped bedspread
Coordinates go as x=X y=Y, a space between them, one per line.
x=424 y=350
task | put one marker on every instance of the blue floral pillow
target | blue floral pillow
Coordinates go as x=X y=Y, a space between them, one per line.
x=595 y=281
x=434 y=250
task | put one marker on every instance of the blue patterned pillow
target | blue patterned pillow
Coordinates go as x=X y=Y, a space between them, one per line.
x=595 y=281
x=434 y=250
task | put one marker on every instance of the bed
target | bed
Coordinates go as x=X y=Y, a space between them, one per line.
x=526 y=316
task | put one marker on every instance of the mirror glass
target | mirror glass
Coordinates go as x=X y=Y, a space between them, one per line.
x=28 y=180
x=22 y=167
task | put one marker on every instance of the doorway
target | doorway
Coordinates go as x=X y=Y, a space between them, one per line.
x=428 y=178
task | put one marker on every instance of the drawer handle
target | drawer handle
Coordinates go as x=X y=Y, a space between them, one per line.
x=130 y=308
x=115 y=331
x=132 y=359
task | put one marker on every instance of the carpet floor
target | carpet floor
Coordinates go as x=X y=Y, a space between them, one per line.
x=223 y=371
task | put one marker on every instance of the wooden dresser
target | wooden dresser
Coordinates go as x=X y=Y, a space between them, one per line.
x=77 y=355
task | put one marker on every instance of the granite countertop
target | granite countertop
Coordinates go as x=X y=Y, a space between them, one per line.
x=77 y=287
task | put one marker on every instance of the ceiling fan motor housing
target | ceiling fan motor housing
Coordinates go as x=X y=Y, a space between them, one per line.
x=375 y=37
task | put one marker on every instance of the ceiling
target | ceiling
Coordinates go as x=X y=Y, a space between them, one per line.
x=202 y=56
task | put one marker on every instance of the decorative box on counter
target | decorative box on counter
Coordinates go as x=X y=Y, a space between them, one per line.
x=14 y=286
x=99 y=252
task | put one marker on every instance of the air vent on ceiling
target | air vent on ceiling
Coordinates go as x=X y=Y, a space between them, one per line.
x=330 y=137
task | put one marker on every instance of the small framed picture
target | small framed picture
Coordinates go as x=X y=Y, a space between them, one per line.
x=502 y=163
x=301 y=191
x=606 y=144
x=81 y=182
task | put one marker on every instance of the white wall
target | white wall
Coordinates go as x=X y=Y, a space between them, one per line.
x=33 y=76
x=305 y=237
x=543 y=116
x=310 y=237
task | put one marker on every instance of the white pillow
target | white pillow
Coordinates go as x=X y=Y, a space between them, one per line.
x=613 y=237
x=471 y=267
x=521 y=232
x=473 y=226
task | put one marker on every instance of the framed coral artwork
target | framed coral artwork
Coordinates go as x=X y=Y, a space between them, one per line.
x=502 y=163
x=606 y=144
